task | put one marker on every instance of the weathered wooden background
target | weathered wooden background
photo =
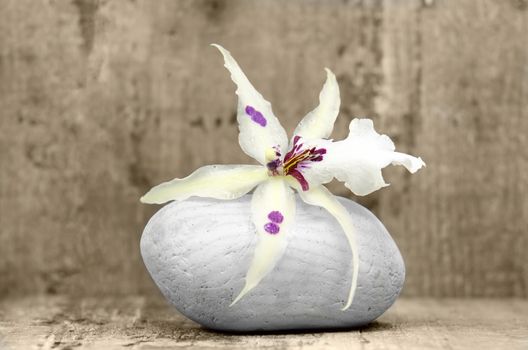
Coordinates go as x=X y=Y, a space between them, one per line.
x=100 y=100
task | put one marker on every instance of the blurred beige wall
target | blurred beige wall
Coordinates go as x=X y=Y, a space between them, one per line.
x=100 y=100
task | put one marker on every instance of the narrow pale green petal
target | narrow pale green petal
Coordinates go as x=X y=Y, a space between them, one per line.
x=319 y=123
x=274 y=195
x=212 y=181
x=320 y=196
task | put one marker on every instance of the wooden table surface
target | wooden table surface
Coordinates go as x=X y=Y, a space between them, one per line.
x=141 y=323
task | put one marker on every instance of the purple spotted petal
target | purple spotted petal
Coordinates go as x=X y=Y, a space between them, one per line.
x=271 y=228
x=276 y=216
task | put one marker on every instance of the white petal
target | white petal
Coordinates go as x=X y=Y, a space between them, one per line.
x=260 y=130
x=321 y=197
x=213 y=181
x=358 y=159
x=318 y=124
x=271 y=196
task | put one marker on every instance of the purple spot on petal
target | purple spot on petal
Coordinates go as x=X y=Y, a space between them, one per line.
x=276 y=216
x=256 y=116
x=277 y=150
x=250 y=110
x=271 y=228
x=259 y=119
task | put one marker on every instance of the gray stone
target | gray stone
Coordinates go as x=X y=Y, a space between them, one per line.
x=199 y=250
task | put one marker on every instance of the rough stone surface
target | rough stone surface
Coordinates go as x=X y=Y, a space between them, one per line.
x=198 y=252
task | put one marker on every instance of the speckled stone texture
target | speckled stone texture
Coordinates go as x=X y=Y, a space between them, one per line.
x=199 y=250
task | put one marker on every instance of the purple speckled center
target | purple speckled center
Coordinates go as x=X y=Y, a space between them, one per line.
x=256 y=116
x=299 y=158
x=275 y=216
x=271 y=228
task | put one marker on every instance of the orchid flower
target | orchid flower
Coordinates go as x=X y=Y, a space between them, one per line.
x=304 y=164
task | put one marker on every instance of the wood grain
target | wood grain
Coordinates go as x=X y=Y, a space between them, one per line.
x=99 y=100
x=141 y=323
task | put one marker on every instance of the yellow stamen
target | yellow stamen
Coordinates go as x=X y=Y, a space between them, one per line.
x=292 y=162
